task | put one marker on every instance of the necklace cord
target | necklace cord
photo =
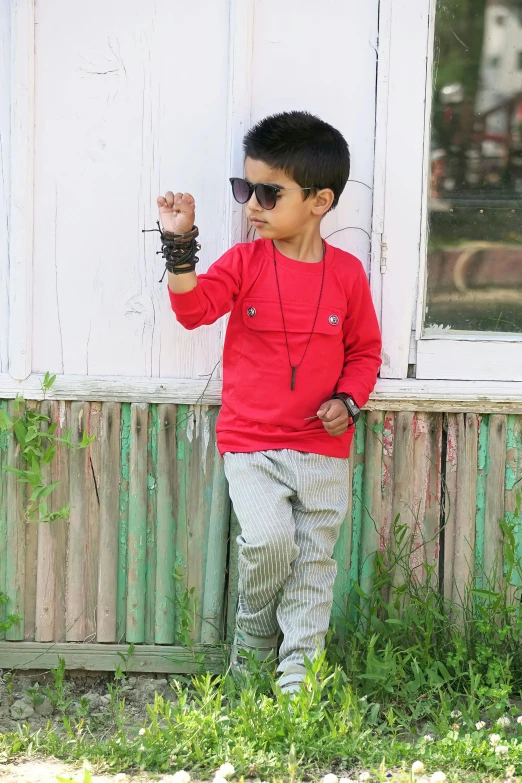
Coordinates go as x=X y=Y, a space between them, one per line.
x=293 y=367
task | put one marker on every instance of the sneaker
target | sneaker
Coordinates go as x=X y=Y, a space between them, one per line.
x=292 y=678
x=245 y=646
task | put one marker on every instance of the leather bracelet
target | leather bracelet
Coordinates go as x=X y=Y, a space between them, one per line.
x=179 y=250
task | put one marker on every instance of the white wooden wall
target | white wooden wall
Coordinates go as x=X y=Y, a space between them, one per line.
x=4 y=176
x=132 y=99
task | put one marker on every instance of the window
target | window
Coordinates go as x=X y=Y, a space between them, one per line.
x=474 y=247
x=451 y=290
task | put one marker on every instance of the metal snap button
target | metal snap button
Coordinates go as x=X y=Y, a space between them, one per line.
x=251 y=312
x=334 y=320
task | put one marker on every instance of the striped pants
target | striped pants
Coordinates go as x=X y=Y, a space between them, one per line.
x=290 y=506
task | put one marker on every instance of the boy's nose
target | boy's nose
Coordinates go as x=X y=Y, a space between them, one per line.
x=253 y=203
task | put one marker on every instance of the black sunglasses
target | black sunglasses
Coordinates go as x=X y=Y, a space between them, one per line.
x=266 y=195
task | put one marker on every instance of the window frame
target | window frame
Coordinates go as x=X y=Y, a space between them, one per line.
x=408 y=352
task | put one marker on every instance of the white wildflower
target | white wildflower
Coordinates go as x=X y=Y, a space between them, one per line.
x=418 y=768
x=519 y=719
x=141 y=732
x=501 y=750
x=494 y=739
x=456 y=714
x=181 y=777
x=121 y=777
x=226 y=770
x=142 y=748
x=504 y=721
x=219 y=779
x=438 y=777
x=330 y=778
x=364 y=776
x=510 y=772
x=480 y=725
x=428 y=738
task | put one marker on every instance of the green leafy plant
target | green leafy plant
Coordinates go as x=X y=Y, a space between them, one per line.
x=35 y=695
x=11 y=619
x=36 y=438
x=57 y=692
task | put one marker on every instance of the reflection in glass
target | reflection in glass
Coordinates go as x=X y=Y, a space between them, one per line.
x=474 y=280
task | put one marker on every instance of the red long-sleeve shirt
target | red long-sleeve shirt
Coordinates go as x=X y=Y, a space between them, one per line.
x=259 y=410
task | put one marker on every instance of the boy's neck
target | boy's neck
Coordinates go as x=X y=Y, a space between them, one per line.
x=306 y=247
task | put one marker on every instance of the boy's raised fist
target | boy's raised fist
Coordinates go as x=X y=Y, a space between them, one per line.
x=177 y=212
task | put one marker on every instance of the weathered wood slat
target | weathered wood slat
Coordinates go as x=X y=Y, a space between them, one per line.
x=342 y=555
x=123 y=522
x=107 y=588
x=31 y=561
x=372 y=497
x=513 y=492
x=196 y=439
x=183 y=412
x=495 y=479
x=358 y=469
x=46 y=564
x=4 y=441
x=218 y=519
x=78 y=625
x=152 y=515
x=387 y=480
x=403 y=487
x=137 y=535
x=454 y=430
x=480 y=503
x=104 y=657
x=464 y=501
x=92 y=485
x=165 y=525
x=61 y=413
x=426 y=495
x=16 y=524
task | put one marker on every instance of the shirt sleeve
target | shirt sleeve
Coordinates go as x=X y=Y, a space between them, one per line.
x=362 y=343
x=214 y=293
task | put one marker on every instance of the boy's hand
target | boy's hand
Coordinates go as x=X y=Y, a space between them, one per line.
x=177 y=212
x=335 y=417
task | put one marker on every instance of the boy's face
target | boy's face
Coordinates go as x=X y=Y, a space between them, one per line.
x=291 y=214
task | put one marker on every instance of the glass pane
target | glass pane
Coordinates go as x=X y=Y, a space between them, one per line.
x=474 y=280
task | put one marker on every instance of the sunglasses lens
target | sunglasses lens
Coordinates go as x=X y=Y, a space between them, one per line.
x=266 y=195
x=240 y=190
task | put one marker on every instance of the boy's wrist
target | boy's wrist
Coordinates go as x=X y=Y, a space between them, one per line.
x=351 y=406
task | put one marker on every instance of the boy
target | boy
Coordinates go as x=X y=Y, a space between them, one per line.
x=301 y=356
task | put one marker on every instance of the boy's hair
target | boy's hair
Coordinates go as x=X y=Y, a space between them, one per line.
x=307 y=149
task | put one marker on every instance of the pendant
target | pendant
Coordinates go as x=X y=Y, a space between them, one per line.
x=292 y=385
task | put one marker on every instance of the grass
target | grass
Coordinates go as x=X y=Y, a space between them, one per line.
x=407 y=679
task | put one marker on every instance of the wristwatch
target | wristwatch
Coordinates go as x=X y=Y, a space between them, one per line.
x=351 y=406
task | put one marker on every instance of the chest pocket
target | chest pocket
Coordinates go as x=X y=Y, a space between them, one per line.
x=262 y=383
x=265 y=316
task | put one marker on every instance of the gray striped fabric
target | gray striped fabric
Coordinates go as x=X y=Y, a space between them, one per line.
x=290 y=506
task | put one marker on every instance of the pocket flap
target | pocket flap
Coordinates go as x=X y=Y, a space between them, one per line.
x=265 y=315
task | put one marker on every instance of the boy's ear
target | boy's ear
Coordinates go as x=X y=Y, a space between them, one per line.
x=323 y=200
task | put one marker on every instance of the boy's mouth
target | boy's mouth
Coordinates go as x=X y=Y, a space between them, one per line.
x=256 y=221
